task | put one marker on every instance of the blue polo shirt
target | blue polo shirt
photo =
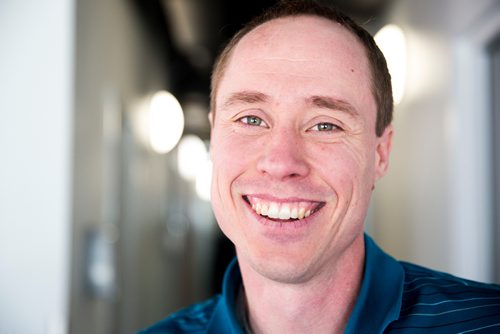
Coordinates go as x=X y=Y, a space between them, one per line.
x=395 y=297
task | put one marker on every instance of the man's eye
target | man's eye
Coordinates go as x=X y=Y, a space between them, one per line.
x=252 y=120
x=325 y=127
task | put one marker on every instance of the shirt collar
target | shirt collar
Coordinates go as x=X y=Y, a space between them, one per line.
x=225 y=319
x=380 y=297
x=378 y=303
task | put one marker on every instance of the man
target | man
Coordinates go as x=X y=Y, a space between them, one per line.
x=301 y=131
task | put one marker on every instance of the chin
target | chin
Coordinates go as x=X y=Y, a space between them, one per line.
x=286 y=273
x=283 y=268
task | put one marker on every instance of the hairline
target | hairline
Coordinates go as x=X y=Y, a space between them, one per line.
x=222 y=62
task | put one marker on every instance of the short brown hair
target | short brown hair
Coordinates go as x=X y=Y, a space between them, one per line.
x=380 y=77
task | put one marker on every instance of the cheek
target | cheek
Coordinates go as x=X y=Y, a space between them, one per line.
x=230 y=159
x=227 y=163
x=344 y=167
x=232 y=154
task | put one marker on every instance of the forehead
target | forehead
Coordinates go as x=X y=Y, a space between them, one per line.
x=294 y=36
x=301 y=52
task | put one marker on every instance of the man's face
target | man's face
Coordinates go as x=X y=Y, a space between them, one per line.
x=294 y=147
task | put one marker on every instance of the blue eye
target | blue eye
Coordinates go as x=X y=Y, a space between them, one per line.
x=325 y=127
x=252 y=120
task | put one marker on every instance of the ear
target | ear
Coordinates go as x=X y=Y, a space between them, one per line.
x=211 y=119
x=382 y=152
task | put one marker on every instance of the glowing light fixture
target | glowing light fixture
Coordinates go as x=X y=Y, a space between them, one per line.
x=193 y=163
x=392 y=42
x=166 y=122
x=191 y=156
x=204 y=181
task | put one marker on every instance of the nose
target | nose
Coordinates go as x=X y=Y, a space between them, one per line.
x=283 y=157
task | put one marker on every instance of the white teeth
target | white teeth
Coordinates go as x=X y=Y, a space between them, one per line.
x=302 y=213
x=273 y=211
x=284 y=212
x=258 y=208
x=264 y=210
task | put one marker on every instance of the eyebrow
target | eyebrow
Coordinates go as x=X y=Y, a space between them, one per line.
x=328 y=102
x=320 y=101
x=245 y=97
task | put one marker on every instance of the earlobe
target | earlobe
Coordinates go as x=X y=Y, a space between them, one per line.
x=382 y=152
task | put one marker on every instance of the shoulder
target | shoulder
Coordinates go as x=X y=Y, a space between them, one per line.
x=193 y=319
x=424 y=281
x=436 y=302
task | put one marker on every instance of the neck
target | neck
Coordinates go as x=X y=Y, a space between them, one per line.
x=322 y=304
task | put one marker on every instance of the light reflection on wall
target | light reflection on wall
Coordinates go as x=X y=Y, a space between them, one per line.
x=194 y=164
x=204 y=181
x=392 y=42
x=166 y=122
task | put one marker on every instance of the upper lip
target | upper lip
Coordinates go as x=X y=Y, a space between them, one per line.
x=279 y=199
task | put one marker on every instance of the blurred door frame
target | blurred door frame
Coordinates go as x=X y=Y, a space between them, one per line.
x=475 y=230
x=494 y=53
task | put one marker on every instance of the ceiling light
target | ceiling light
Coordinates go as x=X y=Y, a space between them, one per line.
x=392 y=42
x=166 y=122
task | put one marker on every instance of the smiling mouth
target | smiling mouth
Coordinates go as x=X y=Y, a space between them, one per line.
x=283 y=211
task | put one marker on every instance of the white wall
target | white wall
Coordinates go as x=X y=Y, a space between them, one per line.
x=118 y=181
x=432 y=208
x=36 y=40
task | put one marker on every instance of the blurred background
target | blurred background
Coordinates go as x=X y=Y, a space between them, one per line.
x=105 y=221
